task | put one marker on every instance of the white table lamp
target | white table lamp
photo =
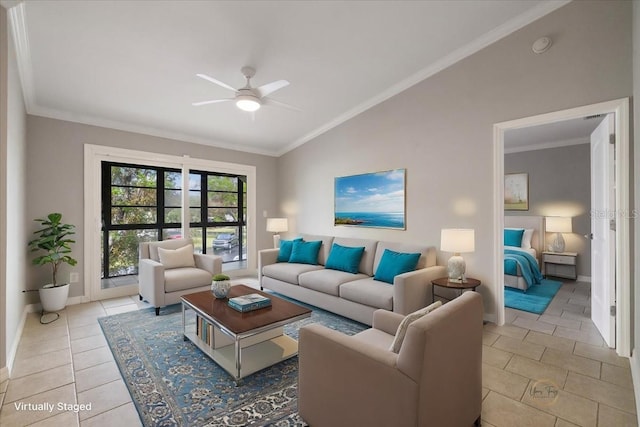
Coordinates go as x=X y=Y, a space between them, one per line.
x=457 y=240
x=558 y=225
x=277 y=225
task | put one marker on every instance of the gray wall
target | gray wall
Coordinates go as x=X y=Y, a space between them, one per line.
x=636 y=170
x=559 y=185
x=441 y=130
x=55 y=179
x=13 y=233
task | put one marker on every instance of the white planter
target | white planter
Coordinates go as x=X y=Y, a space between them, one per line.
x=220 y=288
x=54 y=298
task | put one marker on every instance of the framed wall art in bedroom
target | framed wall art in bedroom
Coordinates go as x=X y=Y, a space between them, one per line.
x=516 y=192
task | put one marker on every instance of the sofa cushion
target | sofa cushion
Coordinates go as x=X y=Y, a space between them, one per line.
x=394 y=263
x=327 y=281
x=151 y=249
x=427 y=257
x=178 y=279
x=288 y=272
x=177 y=258
x=368 y=292
x=366 y=263
x=286 y=246
x=305 y=252
x=325 y=248
x=376 y=338
x=404 y=325
x=345 y=258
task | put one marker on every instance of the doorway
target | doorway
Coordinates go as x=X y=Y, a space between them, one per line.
x=621 y=299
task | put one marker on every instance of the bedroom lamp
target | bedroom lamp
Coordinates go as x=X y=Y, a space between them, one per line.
x=277 y=225
x=558 y=225
x=457 y=240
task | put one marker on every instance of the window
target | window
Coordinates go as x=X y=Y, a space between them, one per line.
x=143 y=203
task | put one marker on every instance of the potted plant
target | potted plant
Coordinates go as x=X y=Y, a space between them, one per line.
x=53 y=241
x=220 y=285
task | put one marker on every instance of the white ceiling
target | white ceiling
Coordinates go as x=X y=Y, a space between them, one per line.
x=551 y=135
x=132 y=65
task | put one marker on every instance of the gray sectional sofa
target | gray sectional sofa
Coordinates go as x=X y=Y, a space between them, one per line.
x=355 y=296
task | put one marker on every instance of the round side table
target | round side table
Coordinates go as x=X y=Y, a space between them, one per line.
x=444 y=282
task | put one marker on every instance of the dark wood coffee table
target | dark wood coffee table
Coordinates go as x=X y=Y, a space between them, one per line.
x=241 y=343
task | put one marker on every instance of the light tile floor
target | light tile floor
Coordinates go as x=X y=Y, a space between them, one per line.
x=547 y=370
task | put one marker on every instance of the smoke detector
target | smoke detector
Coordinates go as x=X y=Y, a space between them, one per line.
x=541 y=45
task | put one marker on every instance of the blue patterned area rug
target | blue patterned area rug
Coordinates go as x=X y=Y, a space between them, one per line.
x=173 y=383
x=535 y=299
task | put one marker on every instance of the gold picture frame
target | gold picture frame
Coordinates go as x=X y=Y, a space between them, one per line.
x=516 y=192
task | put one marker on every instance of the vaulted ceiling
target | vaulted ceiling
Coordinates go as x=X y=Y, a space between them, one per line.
x=132 y=65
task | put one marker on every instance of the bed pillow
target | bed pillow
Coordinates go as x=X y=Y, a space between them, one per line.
x=305 y=252
x=513 y=236
x=177 y=258
x=393 y=263
x=285 y=249
x=344 y=258
x=526 y=238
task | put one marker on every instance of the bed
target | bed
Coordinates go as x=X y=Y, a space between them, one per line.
x=527 y=253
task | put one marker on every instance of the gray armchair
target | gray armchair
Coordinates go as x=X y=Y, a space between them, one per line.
x=163 y=284
x=434 y=380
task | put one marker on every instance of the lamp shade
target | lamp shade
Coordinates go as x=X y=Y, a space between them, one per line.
x=277 y=225
x=457 y=240
x=558 y=224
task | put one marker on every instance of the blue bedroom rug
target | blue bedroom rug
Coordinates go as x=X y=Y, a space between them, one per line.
x=535 y=299
x=172 y=383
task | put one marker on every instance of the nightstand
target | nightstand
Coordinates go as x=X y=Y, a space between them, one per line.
x=560 y=264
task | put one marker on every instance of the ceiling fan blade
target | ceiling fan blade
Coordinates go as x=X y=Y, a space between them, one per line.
x=218 y=82
x=212 y=101
x=265 y=90
x=273 y=102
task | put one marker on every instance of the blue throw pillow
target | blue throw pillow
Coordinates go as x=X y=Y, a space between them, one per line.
x=513 y=237
x=394 y=263
x=305 y=252
x=344 y=258
x=285 y=249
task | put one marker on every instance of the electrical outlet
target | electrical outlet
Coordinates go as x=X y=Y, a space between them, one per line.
x=74 y=277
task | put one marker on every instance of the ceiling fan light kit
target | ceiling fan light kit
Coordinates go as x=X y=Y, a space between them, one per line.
x=248 y=98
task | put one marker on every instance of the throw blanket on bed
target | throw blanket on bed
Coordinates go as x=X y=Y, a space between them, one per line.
x=527 y=263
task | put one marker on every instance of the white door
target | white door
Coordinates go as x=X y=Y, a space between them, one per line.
x=603 y=280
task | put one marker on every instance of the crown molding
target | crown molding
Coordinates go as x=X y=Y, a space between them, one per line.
x=545 y=145
x=447 y=61
x=145 y=130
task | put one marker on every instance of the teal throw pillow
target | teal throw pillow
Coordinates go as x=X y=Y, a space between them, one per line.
x=513 y=236
x=344 y=258
x=305 y=252
x=285 y=249
x=394 y=263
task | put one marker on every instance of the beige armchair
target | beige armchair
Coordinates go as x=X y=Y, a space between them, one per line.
x=169 y=269
x=434 y=380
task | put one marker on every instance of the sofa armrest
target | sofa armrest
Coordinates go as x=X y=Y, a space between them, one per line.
x=211 y=263
x=266 y=257
x=151 y=281
x=412 y=290
x=387 y=321
x=336 y=371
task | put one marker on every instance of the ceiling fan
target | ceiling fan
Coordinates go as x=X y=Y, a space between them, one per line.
x=249 y=98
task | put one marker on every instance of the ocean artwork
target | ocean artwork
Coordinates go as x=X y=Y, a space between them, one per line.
x=371 y=200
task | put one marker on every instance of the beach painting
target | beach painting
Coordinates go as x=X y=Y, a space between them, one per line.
x=371 y=200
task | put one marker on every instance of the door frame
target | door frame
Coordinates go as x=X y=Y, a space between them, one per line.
x=620 y=107
x=93 y=157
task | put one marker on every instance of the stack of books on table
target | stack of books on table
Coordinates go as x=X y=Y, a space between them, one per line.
x=249 y=302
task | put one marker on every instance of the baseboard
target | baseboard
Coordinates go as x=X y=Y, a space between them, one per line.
x=634 y=361
x=584 y=279
x=11 y=357
x=491 y=318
